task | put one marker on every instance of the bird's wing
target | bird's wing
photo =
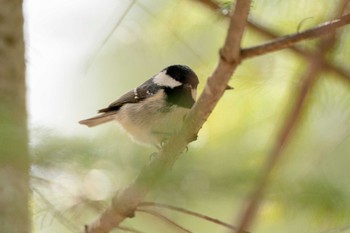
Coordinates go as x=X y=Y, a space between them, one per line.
x=134 y=96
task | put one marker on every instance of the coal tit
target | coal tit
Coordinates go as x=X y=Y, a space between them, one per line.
x=153 y=111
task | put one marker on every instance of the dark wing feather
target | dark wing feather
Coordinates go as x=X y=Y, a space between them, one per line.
x=134 y=96
x=128 y=97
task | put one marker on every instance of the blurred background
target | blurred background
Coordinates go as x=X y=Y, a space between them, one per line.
x=83 y=54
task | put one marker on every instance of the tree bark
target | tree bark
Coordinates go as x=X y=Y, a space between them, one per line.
x=14 y=156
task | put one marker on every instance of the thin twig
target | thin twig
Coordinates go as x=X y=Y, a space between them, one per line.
x=164 y=218
x=171 y=31
x=192 y=213
x=188 y=212
x=56 y=213
x=116 y=25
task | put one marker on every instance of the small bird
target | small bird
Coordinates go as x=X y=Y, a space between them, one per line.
x=153 y=111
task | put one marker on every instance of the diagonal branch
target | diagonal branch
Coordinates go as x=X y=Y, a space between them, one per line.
x=308 y=82
x=192 y=213
x=287 y=41
x=165 y=219
x=342 y=73
x=282 y=139
x=125 y=202
x=104 y=41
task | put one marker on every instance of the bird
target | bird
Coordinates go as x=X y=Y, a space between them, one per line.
x=153 y=111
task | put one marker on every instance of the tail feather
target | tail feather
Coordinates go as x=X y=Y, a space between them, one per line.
x=97 y=120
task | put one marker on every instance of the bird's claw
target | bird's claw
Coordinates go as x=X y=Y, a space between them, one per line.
x=153 y=156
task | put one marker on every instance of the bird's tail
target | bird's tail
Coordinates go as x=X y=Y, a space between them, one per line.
x=100 y=119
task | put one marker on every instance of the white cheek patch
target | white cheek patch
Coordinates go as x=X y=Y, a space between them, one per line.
x=162 y=79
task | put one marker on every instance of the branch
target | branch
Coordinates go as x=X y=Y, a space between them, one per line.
x=125 y=202
x=308 y=82
x=317 y=63
x=70 y=226
x=282 y=139
x=342 y=73
x=165 y=219
x=288 y=41
x=198 y=215
x=104 y=41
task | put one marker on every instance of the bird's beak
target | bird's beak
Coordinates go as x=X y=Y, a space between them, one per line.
x=194 y=93
x=193 y=90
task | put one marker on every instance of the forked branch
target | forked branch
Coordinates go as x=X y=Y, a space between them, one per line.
x=342 y=73
x=125 y=202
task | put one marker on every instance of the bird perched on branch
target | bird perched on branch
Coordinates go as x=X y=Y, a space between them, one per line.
x=153 y=111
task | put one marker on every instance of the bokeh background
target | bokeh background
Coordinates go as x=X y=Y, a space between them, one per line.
x=83 y=54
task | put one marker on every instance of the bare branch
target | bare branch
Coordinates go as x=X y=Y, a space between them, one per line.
x=217 y=82
x=125 y=202
x=185 y=211
x=342 y=73
x=308 y=81
x=288 y=41
x=166 y=219
x=116 y=25
x=282 y=139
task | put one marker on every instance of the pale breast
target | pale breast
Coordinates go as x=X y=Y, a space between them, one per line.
x=151 y=122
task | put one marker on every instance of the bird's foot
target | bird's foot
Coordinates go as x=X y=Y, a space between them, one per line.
x=153 y=156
